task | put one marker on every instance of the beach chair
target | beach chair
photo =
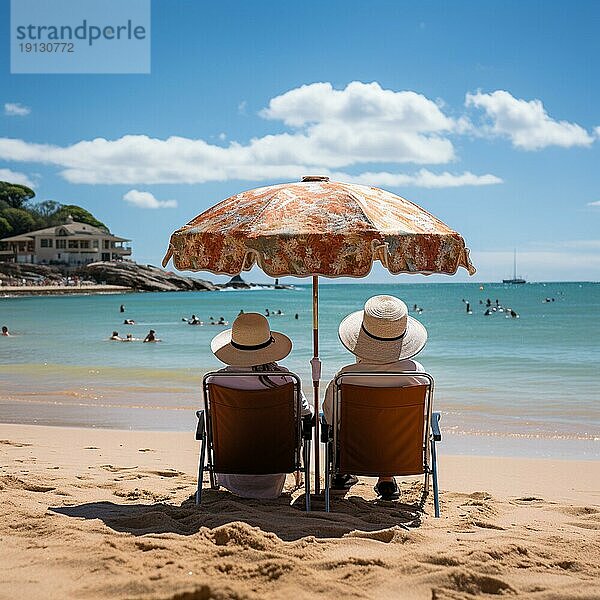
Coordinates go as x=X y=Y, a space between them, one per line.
x=253 y=432
x=387 y=431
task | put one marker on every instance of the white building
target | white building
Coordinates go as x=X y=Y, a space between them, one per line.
x=72 y=243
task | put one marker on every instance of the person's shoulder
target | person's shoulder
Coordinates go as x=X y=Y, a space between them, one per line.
x=408 y=364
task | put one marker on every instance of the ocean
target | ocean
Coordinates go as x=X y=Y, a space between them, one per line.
x=505 y=386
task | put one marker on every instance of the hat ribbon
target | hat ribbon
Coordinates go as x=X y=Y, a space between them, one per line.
x=255 y=347
x=382 y=339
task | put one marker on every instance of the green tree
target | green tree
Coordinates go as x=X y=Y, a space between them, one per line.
x=79 y=214
x=15 y=195
x=19 y=219
x=46 y=209
x=5 y=228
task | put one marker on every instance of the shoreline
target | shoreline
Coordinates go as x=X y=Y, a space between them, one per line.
x=18 y=291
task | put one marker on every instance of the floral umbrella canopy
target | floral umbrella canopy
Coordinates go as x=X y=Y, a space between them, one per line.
x=317 y=227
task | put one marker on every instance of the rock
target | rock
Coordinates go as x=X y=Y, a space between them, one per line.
x=142 y=277
x=237 y=283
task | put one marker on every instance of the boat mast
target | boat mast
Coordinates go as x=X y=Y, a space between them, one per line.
x=515 y=264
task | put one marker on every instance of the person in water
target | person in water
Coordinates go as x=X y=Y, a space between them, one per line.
x=115 y=337
x=194 y=320
x=122 y=308
x=128 y=322
x=151 y=337
x=5 y=331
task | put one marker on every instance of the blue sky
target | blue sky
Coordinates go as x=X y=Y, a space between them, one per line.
x=483 y=113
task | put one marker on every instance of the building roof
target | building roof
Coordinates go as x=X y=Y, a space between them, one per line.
x=72 y=228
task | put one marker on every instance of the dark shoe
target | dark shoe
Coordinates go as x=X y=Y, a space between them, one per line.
x=387 y=490
x=343 y=482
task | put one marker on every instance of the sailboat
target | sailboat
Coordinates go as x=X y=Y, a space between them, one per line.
x=514 y=279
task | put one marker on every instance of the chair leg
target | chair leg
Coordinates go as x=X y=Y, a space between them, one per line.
x=327 y=475
x=307 y=473
x=436 y=496
x=201 y=471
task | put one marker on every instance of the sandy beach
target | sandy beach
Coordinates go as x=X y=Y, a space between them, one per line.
x=90 y=513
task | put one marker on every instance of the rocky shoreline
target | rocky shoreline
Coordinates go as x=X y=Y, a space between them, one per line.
x=125 y=275
x=101 y=277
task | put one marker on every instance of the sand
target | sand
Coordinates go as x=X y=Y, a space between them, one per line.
x=108 y=514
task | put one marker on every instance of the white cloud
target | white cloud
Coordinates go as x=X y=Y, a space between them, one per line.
x=16 y=177
x=596 y=203
x=422 y=178
x=14 y=109
x=527 y=123
x=147 y=200
x=329 y=130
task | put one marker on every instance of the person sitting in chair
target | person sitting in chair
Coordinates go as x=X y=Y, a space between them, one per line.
x=250 y=346
x=382 y=337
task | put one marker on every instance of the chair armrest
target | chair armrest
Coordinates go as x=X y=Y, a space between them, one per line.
x=308 y=422
x=201 y=427
x=325 y=429
x=435 y=426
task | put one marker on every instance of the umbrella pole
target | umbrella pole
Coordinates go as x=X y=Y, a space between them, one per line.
x=316 y=375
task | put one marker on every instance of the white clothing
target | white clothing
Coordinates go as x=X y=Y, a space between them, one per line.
x=254 y=486
x=363 y=365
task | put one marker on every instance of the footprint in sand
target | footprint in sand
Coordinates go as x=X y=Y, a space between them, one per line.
x=15 y=444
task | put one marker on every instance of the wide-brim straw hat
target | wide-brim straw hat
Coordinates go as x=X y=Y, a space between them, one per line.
x=383 y=332
x=250 y=342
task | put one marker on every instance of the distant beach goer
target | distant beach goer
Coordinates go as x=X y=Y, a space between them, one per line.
x=222 y=321
x=267 y=313
x=488 y=302
x=296 y=316
x=513 y=314
x=128 y=322
x=279 y=312
x=241 y=312
x=469 y=311
x=129 y=338
x=382 y=337
x=5 y=331
x=244 y=349
x=151 y=337
x=194 y=320
x=122 y=308
x=115 y=337
x=487 y=313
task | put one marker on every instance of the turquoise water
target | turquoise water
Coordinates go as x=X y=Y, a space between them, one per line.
x=499 y=380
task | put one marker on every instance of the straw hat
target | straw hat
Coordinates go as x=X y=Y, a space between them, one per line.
x=250 y=342
x=382 y=332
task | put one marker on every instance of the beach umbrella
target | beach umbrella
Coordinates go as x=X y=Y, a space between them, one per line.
x=314 y=228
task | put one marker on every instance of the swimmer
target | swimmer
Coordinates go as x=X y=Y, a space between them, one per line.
x=115 y=337
x=488 y=302
x=222 y=321
x=128 y=322
x=151 y=337
x=487 y=313
x=469 y=311
x=122 y=308
x=267 y=313
x=513 y=314
x=129 y=338
x=241 y=312
x=5 y=331
x=279 y=313
x=296 y=316
x=194 y=321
